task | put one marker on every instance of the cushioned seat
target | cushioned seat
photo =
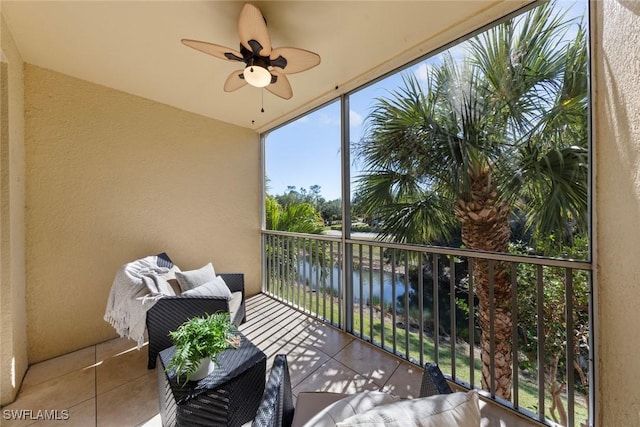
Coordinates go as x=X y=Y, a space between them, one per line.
x=309 y=404
x=437 y=405
x=236 y=308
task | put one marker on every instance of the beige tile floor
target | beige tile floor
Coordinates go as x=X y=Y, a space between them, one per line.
x=108 y=384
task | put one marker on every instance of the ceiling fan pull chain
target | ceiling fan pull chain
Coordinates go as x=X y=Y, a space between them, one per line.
x=262 y=102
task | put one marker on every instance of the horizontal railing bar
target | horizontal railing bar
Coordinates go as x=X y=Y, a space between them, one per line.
x=468 y=253
x=465 y=253
x=302 y=235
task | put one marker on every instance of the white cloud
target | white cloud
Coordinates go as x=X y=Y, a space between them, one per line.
x=459 y=51
x=355 y=118
x=327 y=120
x=422 y=72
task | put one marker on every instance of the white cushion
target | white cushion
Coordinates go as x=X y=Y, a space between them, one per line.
x=215 y=288
x=349 y=406
x=309 y=403
x=234 y=303
x=194 y=278
x=442 y=410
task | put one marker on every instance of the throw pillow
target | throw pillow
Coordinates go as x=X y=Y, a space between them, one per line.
x=350 y=406
x=194 y=278
x=215 y=288
x=455 y=409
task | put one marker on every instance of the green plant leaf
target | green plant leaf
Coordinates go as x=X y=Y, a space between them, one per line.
x=198 y=338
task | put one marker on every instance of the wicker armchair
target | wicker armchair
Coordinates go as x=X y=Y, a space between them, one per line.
x=276 y=408
x=171 y=311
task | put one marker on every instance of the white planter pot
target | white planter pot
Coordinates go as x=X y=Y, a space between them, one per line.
x=204 y=368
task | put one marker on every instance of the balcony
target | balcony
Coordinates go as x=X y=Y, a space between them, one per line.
x=421 y=304
x=109 y=385
x=79 y=204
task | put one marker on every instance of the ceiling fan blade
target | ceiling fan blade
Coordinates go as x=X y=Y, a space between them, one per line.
x=252 y=27
x=218 y=51
x=235 y=81
x=281 y=87
x=295 y=60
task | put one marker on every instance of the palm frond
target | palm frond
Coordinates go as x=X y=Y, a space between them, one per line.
x=554 y=187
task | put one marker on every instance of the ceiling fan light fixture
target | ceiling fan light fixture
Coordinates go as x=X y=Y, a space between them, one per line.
x=257 y=76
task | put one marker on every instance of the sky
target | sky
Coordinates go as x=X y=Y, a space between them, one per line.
x=306 y=151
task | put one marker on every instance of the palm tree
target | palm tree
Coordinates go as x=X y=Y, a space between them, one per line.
x=297 y=218
x=504 y=129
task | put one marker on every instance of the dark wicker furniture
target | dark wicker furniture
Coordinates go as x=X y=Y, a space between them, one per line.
x=229 y=396
x=433 y=382
x=170 y=312
x=276 y=408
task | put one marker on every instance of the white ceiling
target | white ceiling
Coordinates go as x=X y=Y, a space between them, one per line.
x=134 y=46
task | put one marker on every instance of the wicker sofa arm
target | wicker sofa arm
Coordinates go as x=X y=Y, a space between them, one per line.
x=235 y=281
x=276 y=407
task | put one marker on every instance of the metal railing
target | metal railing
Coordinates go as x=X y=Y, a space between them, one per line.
x=422 y=304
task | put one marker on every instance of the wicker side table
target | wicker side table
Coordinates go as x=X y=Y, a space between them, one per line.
x=229 y=396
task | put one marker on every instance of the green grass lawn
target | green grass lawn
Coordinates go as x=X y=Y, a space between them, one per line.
x=325 y=306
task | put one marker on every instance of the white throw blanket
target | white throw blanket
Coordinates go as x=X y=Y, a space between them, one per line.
x=130 y=298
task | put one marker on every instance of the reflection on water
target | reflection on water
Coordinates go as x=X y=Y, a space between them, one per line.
x=372 y=282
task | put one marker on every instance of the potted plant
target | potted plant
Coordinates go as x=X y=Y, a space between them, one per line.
x=198 y=341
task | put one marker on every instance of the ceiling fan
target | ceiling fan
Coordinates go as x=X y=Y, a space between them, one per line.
x=264 y=66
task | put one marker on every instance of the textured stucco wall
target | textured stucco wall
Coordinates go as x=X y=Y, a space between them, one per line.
x=616 y=26
x=13 y=351
x=111 y=178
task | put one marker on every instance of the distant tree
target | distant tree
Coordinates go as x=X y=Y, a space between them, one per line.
x=295 y=196
x=328 y=210
x=291 y=197
x=298 y=218
x=316 y=197
x=358 y=209
x=331 y=211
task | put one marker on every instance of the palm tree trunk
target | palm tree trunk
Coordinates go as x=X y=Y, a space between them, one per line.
x=501 y=322
x=485 y=226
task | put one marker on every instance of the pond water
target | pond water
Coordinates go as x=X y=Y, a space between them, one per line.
x=309 y=276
